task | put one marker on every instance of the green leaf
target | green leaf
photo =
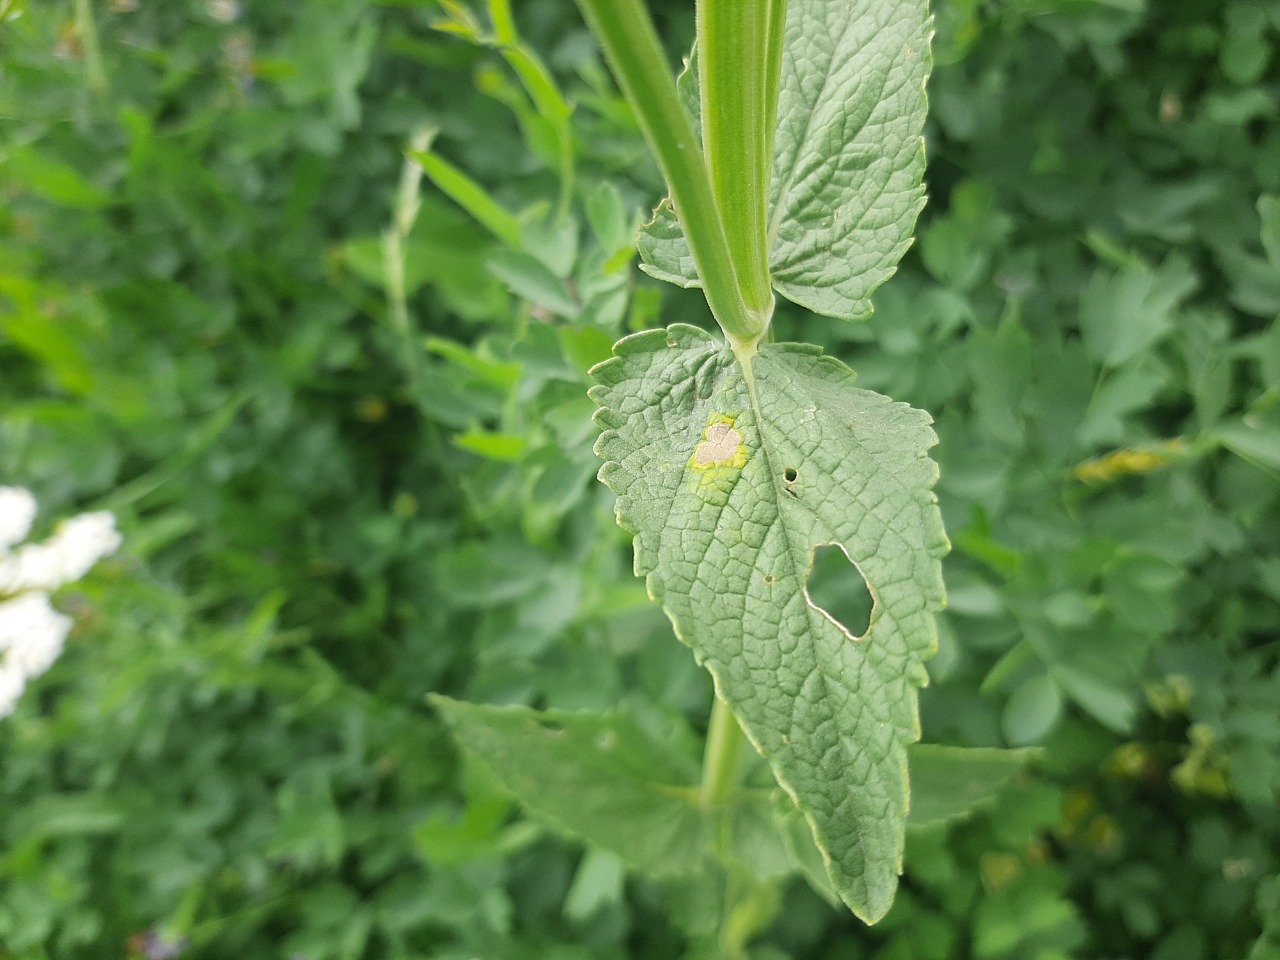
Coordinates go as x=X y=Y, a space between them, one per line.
x=663 y=251
x=731 y=476
x=1267 y=946
x=601 y=777
x=472 y=197
x=1105 y=702
x=529 y=278
x=501 y=375
x=53 y=179
x=848 y=156
x=503 y=447
x=1269 y=212
x=66 y=815
x=1033 y=710
x=1132 y=388
x=1123 y=314
x=1255 y=437
x=951 y=782
x=597 y=884
x=609 y=217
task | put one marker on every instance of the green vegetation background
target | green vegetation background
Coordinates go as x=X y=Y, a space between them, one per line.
x=329 y=514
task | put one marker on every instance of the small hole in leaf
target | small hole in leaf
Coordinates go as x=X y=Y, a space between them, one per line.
x=790 y=474
x=770 y=579
x=550 y=726
x=837 y=587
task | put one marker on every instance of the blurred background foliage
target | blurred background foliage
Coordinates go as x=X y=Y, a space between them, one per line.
x=342 y=418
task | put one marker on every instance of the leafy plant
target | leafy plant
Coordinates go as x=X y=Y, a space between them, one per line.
x=300 y=292
x=735 y=461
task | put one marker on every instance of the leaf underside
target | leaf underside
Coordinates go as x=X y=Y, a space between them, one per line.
x=730 y=476
x=634 y=791
x=598 y=776
x=848 y=155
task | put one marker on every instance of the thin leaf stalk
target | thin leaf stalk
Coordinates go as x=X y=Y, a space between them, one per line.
x=631 y=46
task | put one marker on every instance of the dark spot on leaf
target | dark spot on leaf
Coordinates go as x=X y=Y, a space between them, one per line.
x=836 y=586
x=770 y=579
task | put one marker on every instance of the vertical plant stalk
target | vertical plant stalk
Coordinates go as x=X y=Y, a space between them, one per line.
x=739 y=61
x=721 y=199
x=631 y=46
x=87 y=31
x=721 y=758
x=408 y=201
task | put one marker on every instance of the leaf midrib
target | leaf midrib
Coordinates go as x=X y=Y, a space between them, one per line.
x=748 y=371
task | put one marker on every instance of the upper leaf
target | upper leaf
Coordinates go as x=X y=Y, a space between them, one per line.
x=848 y=156
x=730 y=476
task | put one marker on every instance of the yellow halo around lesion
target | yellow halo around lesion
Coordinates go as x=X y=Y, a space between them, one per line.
x=722 y=445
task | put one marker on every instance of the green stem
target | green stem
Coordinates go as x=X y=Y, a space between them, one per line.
x=720 y=760
x=87 y=30
x=739 y=61
x=504 y=25
x=408 y=202
x=627 y=36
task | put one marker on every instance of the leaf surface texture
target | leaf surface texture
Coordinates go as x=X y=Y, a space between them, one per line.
x=731 y=474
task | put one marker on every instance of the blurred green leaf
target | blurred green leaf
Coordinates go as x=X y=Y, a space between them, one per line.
x=614 y=784
x=1032 y=711
x=948 y=783
x=1124 y=313
x=52 y=178
x=527 y=277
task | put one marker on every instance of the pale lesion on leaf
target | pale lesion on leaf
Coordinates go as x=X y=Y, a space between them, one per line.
x=722 y=445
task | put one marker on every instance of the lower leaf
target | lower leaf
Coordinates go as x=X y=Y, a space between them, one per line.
x=732 y=472
x=600 y=777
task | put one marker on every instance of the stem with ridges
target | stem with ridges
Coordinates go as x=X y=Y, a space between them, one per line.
x=631 y=46
x=739 y=61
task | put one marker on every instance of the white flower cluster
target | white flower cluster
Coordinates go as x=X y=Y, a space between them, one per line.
x=31 y=631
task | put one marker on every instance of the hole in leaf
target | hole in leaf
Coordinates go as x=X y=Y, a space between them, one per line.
x=837 y=587
x=790 y=474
